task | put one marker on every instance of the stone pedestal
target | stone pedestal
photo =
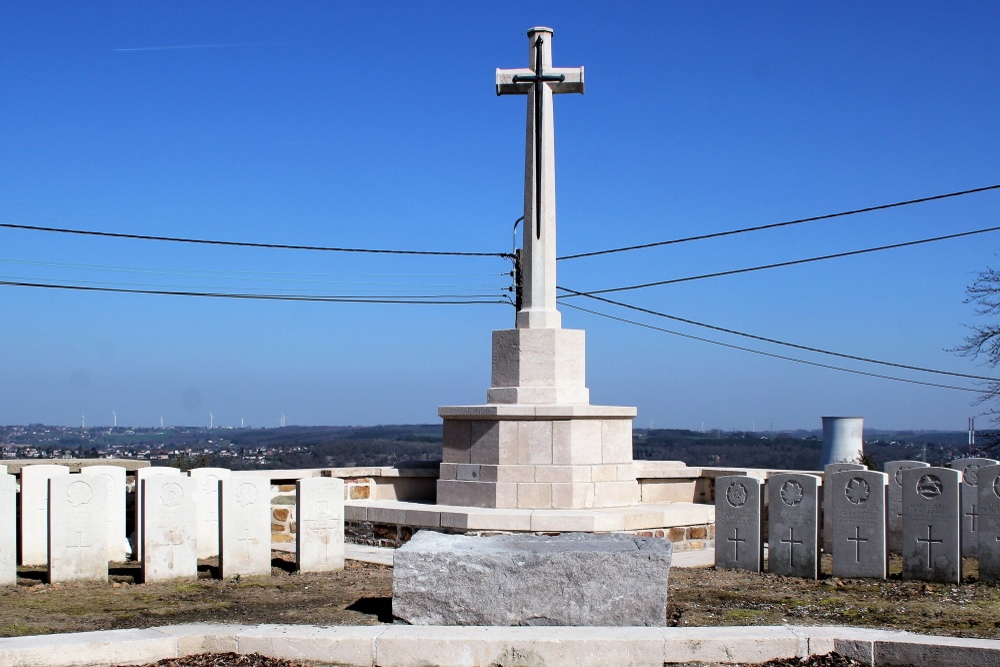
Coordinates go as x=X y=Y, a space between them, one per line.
x=537 y=443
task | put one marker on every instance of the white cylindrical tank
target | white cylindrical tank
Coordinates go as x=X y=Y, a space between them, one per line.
x=842 y=441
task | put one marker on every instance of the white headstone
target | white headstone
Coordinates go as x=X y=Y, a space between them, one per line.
x=245 y=526
x=207 y=496
x=34 y=521
x=793 y=525
x=738 y=510
x=970 y=503
x=826 y=535
x=319 y=516
x=8 y=530
x=894 y=513
x=858 y=499
x=169 y=550
x=989 y=523
x=78 y=528
x=118 y=545
x=3 y=469
x=932 y=536
x=141 y=475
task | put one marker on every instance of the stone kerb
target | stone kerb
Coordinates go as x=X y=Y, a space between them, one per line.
x=118 y=545
x=141 y=475
x=207 y=508
x=988 y=488
x=245 y=528
x=169 y=549
x=739 y=506
x=894 y=508
x=932 y=538
x=858 y=501
x=793 y=525
x=78 y=528
x=8 y=530
x=34 y=512
x=969 y=497
x=319 y=545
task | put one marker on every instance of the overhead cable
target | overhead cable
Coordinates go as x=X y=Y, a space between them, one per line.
x=787 y=223
x=769 y=354
x=418 y=300
x=793 y=262
x=248 y=244
x=775 y=341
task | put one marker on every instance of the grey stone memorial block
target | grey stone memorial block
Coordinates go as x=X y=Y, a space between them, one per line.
x=858 y=502
x=894 y=511
x=969 y=468
x=245 y=526
x=78 y=528
x=826 y=535
x=169 y=542
x=932 y=536
x=8 y=530
x=738 y=509
x=989 y=523
x=504 y=580
x=793 y=525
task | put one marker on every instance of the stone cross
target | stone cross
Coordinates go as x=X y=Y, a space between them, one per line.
x=539 y=82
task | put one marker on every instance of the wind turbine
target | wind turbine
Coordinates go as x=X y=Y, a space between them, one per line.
x=282 y=421
x=83 y=422
x=211 y=421
x=115 y=415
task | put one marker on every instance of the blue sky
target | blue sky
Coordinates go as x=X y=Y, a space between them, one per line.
x=375 y=125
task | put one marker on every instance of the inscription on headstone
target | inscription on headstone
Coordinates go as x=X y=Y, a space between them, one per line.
x=826 y=535
x=932 y=537
x=141 y=475
x=319 y=515
x=8 y=530
x=793 y=525
x=207 y=498
x=245 y=526
x=858 y=503
x=894 y=511
x=169 y=549
x=78 y=528
x=738 y=509
x=118 y=546
x=969 y=469
x=34 y=520
x=989 y=522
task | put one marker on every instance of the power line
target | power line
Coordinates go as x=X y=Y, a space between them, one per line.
x=794 y=262
x=247 y=244
x=770 y=354
x=775 y=225
x=417 y=300
x=775 y=341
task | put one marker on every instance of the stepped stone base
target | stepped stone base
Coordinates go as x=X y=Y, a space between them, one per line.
x=574 y=579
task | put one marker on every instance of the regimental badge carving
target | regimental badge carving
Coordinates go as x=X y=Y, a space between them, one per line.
x=898 y=477
x=736 y=494
x=857 y=491
x=171 y=494
x=996 y=487
x=210 y=484
x=971 y=475
x=791 y=493
x=929 y=487
x=246 y=494
x=79 y=493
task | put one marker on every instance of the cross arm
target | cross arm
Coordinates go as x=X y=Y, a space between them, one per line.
x=572 y=80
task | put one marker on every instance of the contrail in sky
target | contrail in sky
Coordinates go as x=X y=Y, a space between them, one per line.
x=187 y=47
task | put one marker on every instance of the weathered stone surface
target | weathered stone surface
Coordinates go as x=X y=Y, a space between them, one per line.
x=989 y=523
x=169 y=547
x=858 y=499
x=319 y=545
x=568 y=579
x=931 y=528
x=118 y=545
x=793 y=525
x=245 y=542
x=140 y=476
x=739 y=505
x=207 y=508
x=894 y=511
x=826 y=516
x=8 y=530
x=34 y=515
x=78 y=528
x=970 y=514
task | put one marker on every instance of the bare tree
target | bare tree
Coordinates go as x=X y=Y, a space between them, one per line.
x=983 y=344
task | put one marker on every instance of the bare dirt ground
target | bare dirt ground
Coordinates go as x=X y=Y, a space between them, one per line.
x=361 y=595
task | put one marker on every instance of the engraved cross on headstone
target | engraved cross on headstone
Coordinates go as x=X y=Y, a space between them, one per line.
x=791 y=542
x=930 y=543
x=539 y=82
x=973 y=515
x=735 y=539
x=248 y=541
x=857 y=539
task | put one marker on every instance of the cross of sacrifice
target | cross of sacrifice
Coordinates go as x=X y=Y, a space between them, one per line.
x=735 y=539
x=791 y=542
x=539 y=82
x=973 y=515
x=857 y=539
x=929 y=542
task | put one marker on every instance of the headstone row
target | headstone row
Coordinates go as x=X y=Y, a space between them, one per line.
x=932 y=516
x=75 y=523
